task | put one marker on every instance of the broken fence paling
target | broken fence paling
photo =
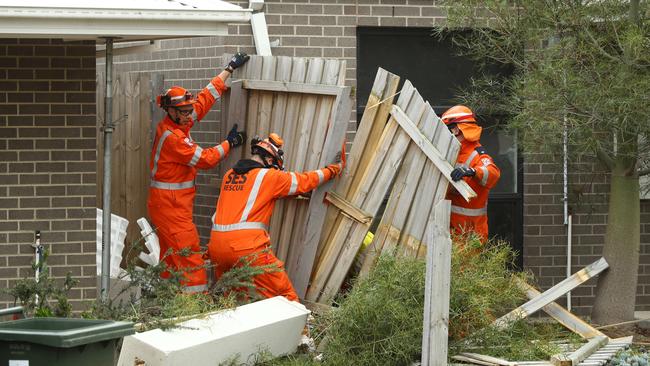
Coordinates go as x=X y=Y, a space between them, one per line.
x=596 y=352
x=598 y=356
x=304 y=100
x=403 y=153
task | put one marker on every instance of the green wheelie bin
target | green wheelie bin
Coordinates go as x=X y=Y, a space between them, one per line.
x=61 y=341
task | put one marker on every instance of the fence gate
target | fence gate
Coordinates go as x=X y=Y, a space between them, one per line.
x=133 y=109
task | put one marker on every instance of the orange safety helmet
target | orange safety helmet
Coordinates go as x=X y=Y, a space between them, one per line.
x=270 y=146
x=175 y=96
x=463 y=117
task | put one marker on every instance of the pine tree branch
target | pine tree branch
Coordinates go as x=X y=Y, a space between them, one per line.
x=604 y=158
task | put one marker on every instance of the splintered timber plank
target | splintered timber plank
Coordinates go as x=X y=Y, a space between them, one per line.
x=404 y=187
x=605 y=353
x=553 y=293
x=299 y=151
x=373 y=121
x=560 y=314
x=437 y=283
x=486 y=358
x=574 y=358
x=384 y=165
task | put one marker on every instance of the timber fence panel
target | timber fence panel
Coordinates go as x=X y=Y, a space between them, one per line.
x=384 y=165
x=133 y=95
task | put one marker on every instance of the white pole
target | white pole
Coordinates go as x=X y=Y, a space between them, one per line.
x=568 y=261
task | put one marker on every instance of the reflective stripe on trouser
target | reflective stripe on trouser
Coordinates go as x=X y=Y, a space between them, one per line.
x=269 y=284
x=462 y=224
x=195 y=278
x=172 y=186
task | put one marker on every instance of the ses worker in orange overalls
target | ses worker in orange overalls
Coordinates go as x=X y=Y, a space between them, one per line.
x=476 y=167
x=248 y=194
x=175 y=158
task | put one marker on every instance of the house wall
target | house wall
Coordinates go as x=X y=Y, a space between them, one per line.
x=47 y=160
x=322 y=28
x=315 y=28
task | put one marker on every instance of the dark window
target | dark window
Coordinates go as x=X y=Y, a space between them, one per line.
x=433 y=67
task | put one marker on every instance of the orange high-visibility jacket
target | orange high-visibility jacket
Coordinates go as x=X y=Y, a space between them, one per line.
x=248 y=197
x=472 y=215
x=175 y=158
x=240 y=225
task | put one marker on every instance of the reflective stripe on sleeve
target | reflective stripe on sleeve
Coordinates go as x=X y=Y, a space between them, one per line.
x=221 y=150
x=172 y=186
x=469 y=211
x=321 y=176
x=213 y=90
x=253 y=195
x=240 y=226
x=158 y=150
x=294 y=184
x=471 y=157
x=197 y=156
x=486 y=174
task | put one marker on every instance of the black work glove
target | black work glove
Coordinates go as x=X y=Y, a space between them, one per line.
x=236 y=138
x=460 y=172
x=236 y=61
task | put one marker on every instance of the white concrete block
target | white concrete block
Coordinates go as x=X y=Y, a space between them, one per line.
x=274 y=325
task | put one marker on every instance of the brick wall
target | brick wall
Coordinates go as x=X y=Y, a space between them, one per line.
x=48 y=160
x=327 y=28
x=545 y=235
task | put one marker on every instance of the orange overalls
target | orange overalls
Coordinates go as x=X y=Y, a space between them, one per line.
x=175 y=159
x=472 y=215
x=240 y=225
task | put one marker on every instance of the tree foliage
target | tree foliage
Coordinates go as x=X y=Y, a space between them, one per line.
x=584 y=63
x=580 y=72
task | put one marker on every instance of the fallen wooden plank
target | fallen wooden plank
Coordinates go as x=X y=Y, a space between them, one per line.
x=291 y=87
x=437 y=285
x=607 y=352
x=473 y=361
x=553 y=293
x=574 y=358
x=560 y=314
x=494 y=360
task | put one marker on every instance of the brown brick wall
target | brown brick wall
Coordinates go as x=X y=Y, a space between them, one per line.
x=47 y=159
x=327 y=28
x=545 y=235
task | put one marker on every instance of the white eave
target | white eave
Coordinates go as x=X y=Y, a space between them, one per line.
x=127 y=19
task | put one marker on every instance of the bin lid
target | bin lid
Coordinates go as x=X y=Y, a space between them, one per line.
x=63 y=332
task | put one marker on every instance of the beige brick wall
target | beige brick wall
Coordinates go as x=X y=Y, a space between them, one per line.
x=322 y=28
x=48 y=160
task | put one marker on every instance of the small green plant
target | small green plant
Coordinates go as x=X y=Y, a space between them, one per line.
x=46 y=297
x=153 y=301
